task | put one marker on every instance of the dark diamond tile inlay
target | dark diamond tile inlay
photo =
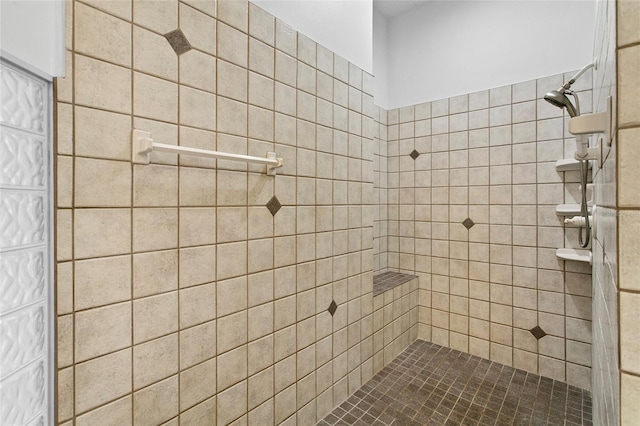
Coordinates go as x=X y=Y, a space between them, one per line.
x=468 y=223
x=333 y=307
x=274 y=205
x=538 y=332
x=414 y=154
x=178 y=41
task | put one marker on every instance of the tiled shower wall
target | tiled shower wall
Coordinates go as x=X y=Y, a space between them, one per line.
x=196 y=292
x=616 y=357
x=628 y=202
x=380 y=185
x=606 y=371
x=472 y=190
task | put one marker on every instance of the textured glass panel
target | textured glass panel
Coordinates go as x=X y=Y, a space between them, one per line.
x=38 y=421
x=21 y=101
x=22 y=161
x=22 y=338
x=22 y=219
x=22 y=280
x=23 y=395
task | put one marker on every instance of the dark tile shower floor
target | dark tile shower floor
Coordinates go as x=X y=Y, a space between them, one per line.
x=428 y=384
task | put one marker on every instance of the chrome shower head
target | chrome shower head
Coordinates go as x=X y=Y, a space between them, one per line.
x=559 y=99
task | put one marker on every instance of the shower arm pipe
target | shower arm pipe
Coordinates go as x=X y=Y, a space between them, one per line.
x=579 y=73
x=142 y=145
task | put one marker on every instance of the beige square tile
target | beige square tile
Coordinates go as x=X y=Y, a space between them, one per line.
x=64 y=348
x=261 y=58
x=197 y=108
x=90 y=26
x=197 y=384
x=155 y=98
x=260 y=255
x=147 y=222
x=115 y=413
x=155 y=360
x=261 y=91
x=286 y=38
x=102 y=134
x=101 y=183
x=155 y=186
x=102 y=281
x=232 y=367
x=232 y=188
x=154 y=272
x=260 y=354
x=260 y=288
x=232 y=403
x=232 y=224
x=197 y=226
x=102 y=379
x=261 y=24
x=199 y=29
x=160 y=16
x=628 y=153
x=64 y=232
x=197 y=265
x=629 y=336
x=233 y=44
x=65 y=394
x=198 y=70
x=231 y=296
x=232 y=331
x=197 y=305
x=261 y=125
x=234 y=13
x=64 y=85
x=64 y=181
x=202 y=414
x=197 y=187
x=157 y=403
x=197 y=344
x=260 y=388
x=155 y=316
x=102 y=85
x=260 y=321
x=101 y=232
x=629 y=391
x=152 y=54
x=232 y=117
x=232 y=260
x=628 y=16
x=64 y=130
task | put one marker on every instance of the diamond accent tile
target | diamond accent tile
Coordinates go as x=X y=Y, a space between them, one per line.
x=333 y=307
x=178 y=41
x=538 y=332
x=468 y=223
x=414 y=154
x=274 y=205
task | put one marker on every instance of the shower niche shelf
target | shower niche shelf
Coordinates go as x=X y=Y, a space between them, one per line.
x=584 y=256
x=568 y=165
x=569 y=209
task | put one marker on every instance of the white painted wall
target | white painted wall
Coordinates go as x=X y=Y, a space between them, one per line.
x=32 y=35
x=448 y=48
x=343 y=26
x=380 y=59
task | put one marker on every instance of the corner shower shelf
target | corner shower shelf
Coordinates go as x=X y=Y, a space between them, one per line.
x=569 y=209
x=568 y=165
x=575 y=255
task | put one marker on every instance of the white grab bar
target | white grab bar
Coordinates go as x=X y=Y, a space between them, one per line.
x=142 y=145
